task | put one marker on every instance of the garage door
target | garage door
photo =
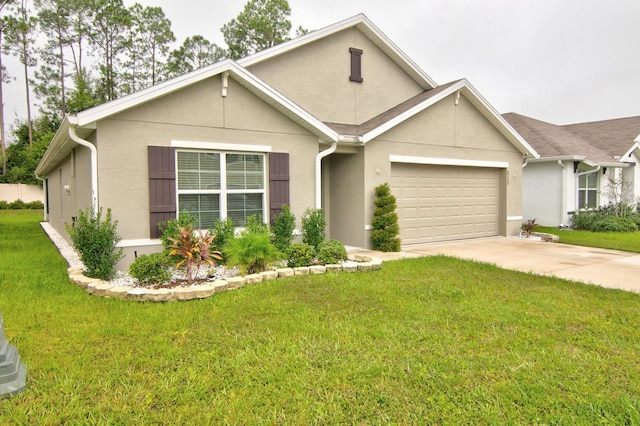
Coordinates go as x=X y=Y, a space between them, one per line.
x=440 y=203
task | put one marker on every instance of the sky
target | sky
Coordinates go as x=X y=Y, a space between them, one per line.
x=560 y=61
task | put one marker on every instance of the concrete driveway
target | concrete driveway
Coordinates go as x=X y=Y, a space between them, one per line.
x=607 y=268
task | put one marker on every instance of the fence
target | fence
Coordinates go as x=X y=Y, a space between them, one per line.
x=18 y=191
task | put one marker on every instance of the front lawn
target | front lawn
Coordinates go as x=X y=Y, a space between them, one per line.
x=423 y=341
x=625 y=241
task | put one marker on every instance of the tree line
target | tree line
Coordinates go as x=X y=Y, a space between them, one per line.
x=95 y=51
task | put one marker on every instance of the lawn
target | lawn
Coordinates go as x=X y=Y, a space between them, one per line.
x=625 y=241
x=422 y=341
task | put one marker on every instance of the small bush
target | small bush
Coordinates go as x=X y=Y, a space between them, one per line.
x=614 y=224
x=313 y=224
x=35 y=205
x=528 y=227
x=17 y=205
x=255 y=225
x=251 y=252
x=384 y=235
x=4 y=205
x=151 y=268
x=224 y=231
x=283 y=227
x=331 y=251
x=300 y=254
x=95 y=239
x=193 y=249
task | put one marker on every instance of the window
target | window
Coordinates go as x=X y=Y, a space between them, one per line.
x=588 y=191
x=214 y=185
x=356 y=65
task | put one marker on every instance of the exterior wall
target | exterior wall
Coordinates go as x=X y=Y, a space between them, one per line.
x=18 y=191
x=446 y=131
x=196 y=114
x=543 y=192
x=316 y=76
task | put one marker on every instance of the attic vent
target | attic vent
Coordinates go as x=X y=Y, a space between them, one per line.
x=356 y=65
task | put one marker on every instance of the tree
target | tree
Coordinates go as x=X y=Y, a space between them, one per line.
x=196 y=52
x=384 y=235
x=4 y=78
x=83 y=96
x=20 y=42
x=262 y=24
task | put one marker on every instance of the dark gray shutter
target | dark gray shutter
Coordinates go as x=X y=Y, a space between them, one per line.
x=278 y=182
x=356 y=65
x=162 y=187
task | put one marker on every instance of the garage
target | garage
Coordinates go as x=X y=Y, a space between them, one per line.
x=441 y=202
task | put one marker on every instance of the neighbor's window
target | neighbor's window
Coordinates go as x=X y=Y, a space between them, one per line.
x=215 y=185
x=588 y=191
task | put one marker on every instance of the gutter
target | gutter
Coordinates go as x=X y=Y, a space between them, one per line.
x=319 y=158
x=94 y=166
x=45 y=189
x=563 y=201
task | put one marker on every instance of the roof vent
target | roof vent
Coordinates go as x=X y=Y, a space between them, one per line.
x=356 y=65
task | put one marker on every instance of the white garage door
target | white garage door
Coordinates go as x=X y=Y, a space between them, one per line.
x=440 y=203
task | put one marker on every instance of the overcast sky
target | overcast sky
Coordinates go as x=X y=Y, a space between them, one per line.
x=561 y=61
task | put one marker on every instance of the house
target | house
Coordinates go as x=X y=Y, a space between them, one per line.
x=316 y=122
x=578 y=166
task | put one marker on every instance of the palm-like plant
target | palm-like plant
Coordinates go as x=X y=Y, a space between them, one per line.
x=194 y=249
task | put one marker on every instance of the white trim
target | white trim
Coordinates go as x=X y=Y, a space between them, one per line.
x=513 y=218
x=368 y=227
x=219 y=146
x=447 y=161
x=142 y=242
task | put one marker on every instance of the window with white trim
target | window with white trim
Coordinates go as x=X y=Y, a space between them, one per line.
x=218 y=185
x=588 y=191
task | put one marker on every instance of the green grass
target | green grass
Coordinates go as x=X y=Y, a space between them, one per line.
x=423 y=341
x=625 y=241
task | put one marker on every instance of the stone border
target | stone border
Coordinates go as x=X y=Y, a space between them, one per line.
x=98 y=287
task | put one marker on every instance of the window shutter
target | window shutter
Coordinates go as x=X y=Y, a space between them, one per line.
x=162 y=187
x=278 y=183
x=356 y=65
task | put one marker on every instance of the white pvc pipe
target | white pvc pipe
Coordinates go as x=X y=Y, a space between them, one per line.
x=94 y=166
x=319 y=158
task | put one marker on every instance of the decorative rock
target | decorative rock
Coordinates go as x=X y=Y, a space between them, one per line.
x=269 y=275
x=253 y=279
x=360 y=258
x=102 y=289
x=333 y=267
x=317 y=269
x=285 y=272
x=236 y=282
x=350 y=267
x=204 y=291
x=120 y=291
x=220 y=285
x=376 y=264
x=159 y=295
x=137 y=294
x=184 y=293
x=302 y=270
x=365 y=266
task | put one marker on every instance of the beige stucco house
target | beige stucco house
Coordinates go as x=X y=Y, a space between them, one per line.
x=318 y=121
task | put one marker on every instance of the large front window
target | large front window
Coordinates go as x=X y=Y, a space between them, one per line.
x=588 y=191
x=216 y=185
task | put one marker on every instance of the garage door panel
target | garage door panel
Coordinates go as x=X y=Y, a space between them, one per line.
x=439 y=203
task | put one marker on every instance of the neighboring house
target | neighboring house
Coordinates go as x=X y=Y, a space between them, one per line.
x=316 y=122
x=578 y=166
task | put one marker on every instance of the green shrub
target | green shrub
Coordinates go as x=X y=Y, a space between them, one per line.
x=4 y=205
x=331 y=251
x=35 y=205
x=251 y=252
x=170 y=228
x=223 y=231
x=585 y=220
x=283 y=226
x=300 y=254
x=17 y=205
x=151 y=268
x=384 y=235
x=614 y=224
x=255 y=225
x=313 y=224
x=95 y=239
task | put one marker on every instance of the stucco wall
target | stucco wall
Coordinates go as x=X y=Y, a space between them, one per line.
x=316 y=76
x=543 y=193
x=18 y=191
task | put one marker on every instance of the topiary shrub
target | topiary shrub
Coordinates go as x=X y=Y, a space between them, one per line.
x=331 y=252
x=313 y=224
x=95 y=239
x=284 y=224
x=151 y=268
x=300 y=254
x=384 y=235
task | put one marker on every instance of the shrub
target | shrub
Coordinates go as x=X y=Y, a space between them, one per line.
x=614 y=224
x=585 y=220
x=151 y=268
x=313 y=224
x=384 y=235
x=255 y=225
x=193 y=249
x=528 y=227
x=283 y=226
x=95 y=239
x=35 y=205
x=331 y=251
x=17 y=205
x=170 y=228
x=224 y=231
x=4 y=205
x=300 y=254
x=251 y=252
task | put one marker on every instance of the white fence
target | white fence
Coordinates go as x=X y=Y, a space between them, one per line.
x=17 y=191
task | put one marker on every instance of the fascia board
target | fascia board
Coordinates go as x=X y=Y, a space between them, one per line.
x=634 y=147
x=558 y=158
x=363 y=24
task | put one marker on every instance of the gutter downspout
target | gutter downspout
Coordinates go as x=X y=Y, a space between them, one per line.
x=45 y=189
x=94 y=166
x=563 y=202
x=319 y=158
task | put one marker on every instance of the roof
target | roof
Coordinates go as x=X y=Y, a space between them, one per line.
x=601 y=142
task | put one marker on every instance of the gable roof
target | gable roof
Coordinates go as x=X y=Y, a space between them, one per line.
x=603 y=142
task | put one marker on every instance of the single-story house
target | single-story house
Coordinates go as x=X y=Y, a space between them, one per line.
x=578 y=166
x=316 y=122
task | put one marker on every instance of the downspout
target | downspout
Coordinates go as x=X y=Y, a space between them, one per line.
x=94 y=166
x=45 y=189
x=563 y=202
x=319 y=158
